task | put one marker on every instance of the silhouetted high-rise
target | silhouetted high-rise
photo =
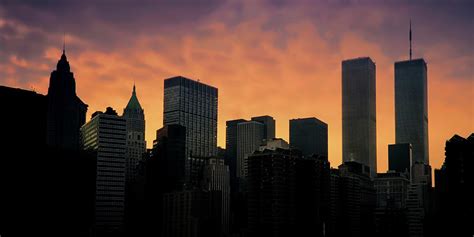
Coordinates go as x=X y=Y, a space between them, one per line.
x=359 y=138
x=106 y=134
x=411 y=107
x=310 y=135
x=193 y=105
x=455 y=188
x=136 y=144
x=400 y=157
x=66 y=111
x=269 y=122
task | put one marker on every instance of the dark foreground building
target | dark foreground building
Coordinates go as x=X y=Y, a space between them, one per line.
x=287 y=195
x=45 y=190
x=455 y=189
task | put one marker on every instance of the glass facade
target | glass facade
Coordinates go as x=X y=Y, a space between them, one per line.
x=309 y=135
x=193 y=105
x=359 y=113
x=411 y=107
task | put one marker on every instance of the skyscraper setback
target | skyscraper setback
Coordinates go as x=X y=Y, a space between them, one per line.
x=359 y=112
x=193 y=105
x=66 y=111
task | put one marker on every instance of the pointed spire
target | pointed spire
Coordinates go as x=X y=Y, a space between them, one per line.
x=410 y=40
x=133 y=103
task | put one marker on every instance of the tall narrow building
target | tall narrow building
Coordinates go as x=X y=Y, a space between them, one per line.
x=136 y=144
x=411 y=107
x=359 y=113
x=66 y=111
x=193 y=105
x=310 y=136
x=105 y=134
x=250 y=135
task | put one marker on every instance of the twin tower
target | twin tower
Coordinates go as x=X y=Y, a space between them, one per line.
x=359 y=111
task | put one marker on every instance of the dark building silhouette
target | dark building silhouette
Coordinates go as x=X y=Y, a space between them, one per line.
x=186 y=213
x=359 y=138
x=411 y=107
x=269 y=125
x=211 y=175
x=287 y=195
x=161 y=171
x=271 y=184
x=105 y=134
x=312 y=196
x=169 y=153
x=44 y=190
x=27 y=117
x=399 y=157
x=352 y=201
x=243 y=137
x=310 y=135
x=390 y=212
x=66 y=111
x=455 y=189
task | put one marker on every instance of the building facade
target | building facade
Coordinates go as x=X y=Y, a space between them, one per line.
x=400 y=157
x=359 y=138
x=193 y=105
x=310 y=135
x=269 y=125
x=106 y=134
x=250 y=135
x=136 y=144
x=411 y=107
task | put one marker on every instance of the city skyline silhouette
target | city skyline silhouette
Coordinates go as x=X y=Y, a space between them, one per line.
x=336 y=91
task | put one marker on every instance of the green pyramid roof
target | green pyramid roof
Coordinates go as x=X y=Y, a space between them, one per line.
x=133 y=103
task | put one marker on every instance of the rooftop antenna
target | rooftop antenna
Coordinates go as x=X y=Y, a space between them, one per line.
x=64 y=42
x=410 y=40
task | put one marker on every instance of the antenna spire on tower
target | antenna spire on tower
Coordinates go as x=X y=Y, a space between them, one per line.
x=64 y=42
x=410 y=40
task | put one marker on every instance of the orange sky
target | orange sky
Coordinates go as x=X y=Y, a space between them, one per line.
x=279 y=61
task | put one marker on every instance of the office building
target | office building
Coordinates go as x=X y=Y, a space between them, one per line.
x=192 y=104
x=411 y=107
x=136 y=144
x=400 y=157
x=310 y=135
x=269 y=125
x=106 y=135
x=359 y=140
x=66 y=111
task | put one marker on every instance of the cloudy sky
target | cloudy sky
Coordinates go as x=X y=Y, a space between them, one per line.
x=281 y=58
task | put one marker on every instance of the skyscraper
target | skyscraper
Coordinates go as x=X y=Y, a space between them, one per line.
x=136 y=144
x=411 y=107
x=193 y=105
x=66 y=111
x=358 y=112
x=216 y=181
x=249 y=137
x=399 y=157
x=310 y=135
x=106 y=134
x=269 y=129
x=231 y=148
